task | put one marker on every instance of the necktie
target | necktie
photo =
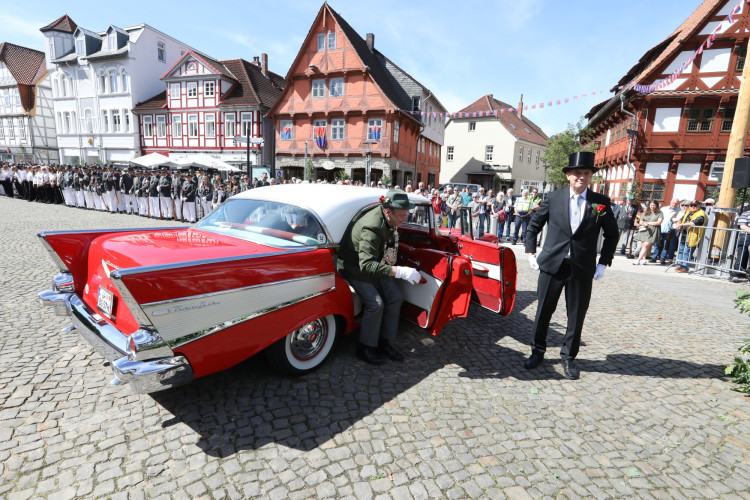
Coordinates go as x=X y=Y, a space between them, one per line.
x=575 y=218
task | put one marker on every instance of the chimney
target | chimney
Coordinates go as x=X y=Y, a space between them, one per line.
x=519 y=111
x=371 y=42
x=256 y=60
x=264 y=63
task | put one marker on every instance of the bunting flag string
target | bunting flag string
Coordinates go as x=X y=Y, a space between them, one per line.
x=708 y=42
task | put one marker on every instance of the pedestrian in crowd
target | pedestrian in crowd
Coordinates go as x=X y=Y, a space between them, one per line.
x=522 y=208
x=474 y=209
x=176 y=195
x=466 y=196
x=626 y=224
x=205 y=195
x=649 y=231
x=126 y=190
x=510 y=215
x=483 y=219
x=575 y=217
x=437 y=207
x=263 y=180
x=153 y=196
x=455 y=202
x=498 y=211
x=741 y=248
x=667 y=245
x=165 y=194
x=367 y=261
x=188 y=198
x=690 y=230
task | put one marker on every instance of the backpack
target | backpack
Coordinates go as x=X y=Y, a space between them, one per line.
x=501 y=216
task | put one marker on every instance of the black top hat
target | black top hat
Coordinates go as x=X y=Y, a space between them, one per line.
x=581 y=159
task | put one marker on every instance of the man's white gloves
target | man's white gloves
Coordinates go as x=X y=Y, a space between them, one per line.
x=532 y=262
x=599 y=273
x=409 y=274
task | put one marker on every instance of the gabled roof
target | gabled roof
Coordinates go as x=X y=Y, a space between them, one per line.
x=63 y=24
x=671 y=46
x=519 y=126
x=23 y=63
x=159 y=101
x=215 y=65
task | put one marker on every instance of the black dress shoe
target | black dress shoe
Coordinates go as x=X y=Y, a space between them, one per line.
x=630 y=256
x=570 y=370
x=370 y=355
x=386 y=349
x=534 y=360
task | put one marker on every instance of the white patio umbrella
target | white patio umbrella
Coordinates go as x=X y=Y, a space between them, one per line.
x=153 y=160
x=203 y=160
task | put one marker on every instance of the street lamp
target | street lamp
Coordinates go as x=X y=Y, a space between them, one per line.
x=368 y=155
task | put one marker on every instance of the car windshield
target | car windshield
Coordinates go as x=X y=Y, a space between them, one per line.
x=265 y=222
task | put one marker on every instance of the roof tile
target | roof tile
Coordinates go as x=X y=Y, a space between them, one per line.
x=521 y=127
x=63 y=23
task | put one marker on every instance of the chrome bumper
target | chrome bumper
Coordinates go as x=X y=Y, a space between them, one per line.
x=140 y=359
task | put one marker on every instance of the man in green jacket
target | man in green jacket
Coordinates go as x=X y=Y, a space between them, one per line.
x=367 y=261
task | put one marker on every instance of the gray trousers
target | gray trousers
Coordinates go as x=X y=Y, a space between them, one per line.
x=382 y=307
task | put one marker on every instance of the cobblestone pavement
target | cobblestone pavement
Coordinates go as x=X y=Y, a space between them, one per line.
x=651 y=417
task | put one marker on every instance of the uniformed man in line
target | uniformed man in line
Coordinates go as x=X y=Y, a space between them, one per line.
x=367 y=260
x=126 y=190
x=177 y=195
x=165 y=194
x=188 y=198
x=140 y=198
x=153 y=196
x=118 y=173
x=84 y=197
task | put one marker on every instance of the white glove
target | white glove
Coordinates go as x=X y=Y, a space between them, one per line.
x=599 y=273
x=532 y=262
x=409 y=274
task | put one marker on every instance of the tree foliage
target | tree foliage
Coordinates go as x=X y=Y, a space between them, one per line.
x=561 y=146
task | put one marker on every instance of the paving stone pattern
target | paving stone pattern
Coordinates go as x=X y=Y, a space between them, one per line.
x=651 y=417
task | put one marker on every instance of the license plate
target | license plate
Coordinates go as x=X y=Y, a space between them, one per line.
x=104 y=302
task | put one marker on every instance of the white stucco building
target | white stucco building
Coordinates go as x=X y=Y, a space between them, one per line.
x=497 y=151
x=97 y=78
x=27 y=125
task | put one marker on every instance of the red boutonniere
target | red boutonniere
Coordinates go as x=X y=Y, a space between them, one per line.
x=382 y=199
x=598 y=210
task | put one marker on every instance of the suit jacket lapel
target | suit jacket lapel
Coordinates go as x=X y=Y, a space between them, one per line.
x=565 y=207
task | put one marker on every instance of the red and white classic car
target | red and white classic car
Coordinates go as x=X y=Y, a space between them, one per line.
x=169 y=305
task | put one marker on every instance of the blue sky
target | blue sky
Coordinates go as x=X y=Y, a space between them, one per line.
x=544 y=49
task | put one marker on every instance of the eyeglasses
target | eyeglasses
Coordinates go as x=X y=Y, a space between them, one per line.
x=683 y=205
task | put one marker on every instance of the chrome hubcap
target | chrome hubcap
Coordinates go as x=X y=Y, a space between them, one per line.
x=307 y=342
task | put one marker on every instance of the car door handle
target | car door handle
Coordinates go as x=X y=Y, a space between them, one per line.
x=415 y=263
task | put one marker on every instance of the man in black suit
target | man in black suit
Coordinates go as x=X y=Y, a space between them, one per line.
x=575 y=217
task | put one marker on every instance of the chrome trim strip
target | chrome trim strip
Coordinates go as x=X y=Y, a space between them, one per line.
x=179 y=342
x=152 y=376
x=119 y=273
x=233 y=290
x=55 y=258
x=132 y=305
x=119 y=230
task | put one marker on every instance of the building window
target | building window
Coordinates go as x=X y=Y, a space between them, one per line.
x=192 y=89
x=472 y=126
x=449 y=153
x=285 y=130
x=12 y=130
x=421 y=145
x=208 y=89
x=116 y=120
x=193 y=126
x=174 y=90
x=246 y=121
x=319 y=123
x=210 y=126
x=520 y=154
x=113 y=87
x=321 y=41
x=396 y=131
x=700 y=120
x=488 y=150
x=102 y=83
x=147 y=128
x=336 y=87
x=81 y=46
x=331 y=39
x=652 y=191
x=318 y=88
x=416 y=103
x=726 y=122
x=161 y=126
x=176 y=126
x=374 y=126
x=537 y=156
x=105 y=121
x=21 y=129
x=112 y=41
x=161 y=53
x=741 y=55
x=528 y=157
x=430 y=148
x=337 y=129
x=126 y=116
x=229 y=126
x=124 y=79
x=2 y=130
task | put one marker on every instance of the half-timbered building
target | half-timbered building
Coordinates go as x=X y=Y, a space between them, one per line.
x=207 y=106
x=674 y=140
x=345 y=102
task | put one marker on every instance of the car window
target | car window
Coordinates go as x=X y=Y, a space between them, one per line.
x=264 y=222
x=419 y=216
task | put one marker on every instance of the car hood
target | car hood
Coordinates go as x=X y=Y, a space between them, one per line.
x=150 y=248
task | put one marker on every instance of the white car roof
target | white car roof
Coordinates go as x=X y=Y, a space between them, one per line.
x=334 y=204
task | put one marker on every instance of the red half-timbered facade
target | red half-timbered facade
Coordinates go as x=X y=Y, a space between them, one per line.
x=344 y=100
x=206 y=105
x=680 y=132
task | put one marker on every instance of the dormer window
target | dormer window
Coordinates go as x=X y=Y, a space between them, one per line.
x=416 y=103
x=81 y=46
x=112 y=41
